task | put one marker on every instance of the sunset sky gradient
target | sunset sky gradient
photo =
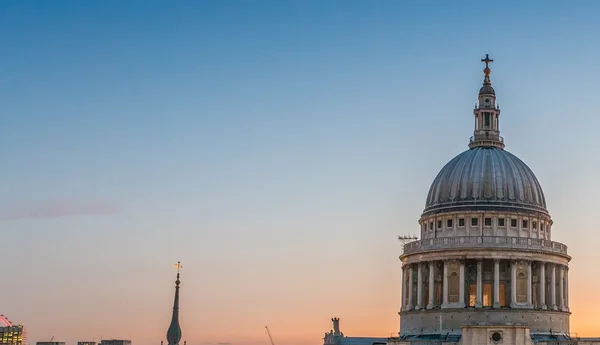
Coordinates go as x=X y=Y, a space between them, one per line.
x=275 y=148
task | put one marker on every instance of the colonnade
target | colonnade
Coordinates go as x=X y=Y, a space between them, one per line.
x=485 y=283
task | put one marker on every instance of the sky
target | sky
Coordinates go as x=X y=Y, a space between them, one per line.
x=277 y=149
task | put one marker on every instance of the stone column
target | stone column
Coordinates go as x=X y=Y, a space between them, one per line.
x=496 y=283
x=445 y=285
x=431 y=285
x=513 y=284
x=529 y=285
x=553 y=288
x=561 y=288
x=402 y=293
x=479 y=302
x=543 y=285
x=419 y=286
x=410 y=288
x=461 y=284
x=567 y=288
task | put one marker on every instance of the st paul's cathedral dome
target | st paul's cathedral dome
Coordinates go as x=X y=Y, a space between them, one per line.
x=486 y=177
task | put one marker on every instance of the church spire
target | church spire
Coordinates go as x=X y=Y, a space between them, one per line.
x=174 y=331
x=487 y=114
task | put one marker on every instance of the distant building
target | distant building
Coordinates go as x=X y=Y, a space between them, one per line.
x=13 y=335
x=50 y=343
x=115 y=342
x=86 y=343
x=336 y=337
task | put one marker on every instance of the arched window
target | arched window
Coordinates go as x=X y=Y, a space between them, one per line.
x=453 y=288
x=521 y=287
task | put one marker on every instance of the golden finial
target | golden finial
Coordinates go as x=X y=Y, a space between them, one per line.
x=178 y=266
x=487 y=69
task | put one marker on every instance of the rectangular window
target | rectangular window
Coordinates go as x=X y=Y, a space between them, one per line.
x=487 y=119
x=542 y=227
x=472 y=295
x=461 y=222
x=534 y=225
x=474 y=221
x=501 y=222
x=449 y=223
x=503 y=295
x=439 y=224
x=525 y=224
x=513 y=223
x=430 y=225
x=487 y=295
x=487 y=221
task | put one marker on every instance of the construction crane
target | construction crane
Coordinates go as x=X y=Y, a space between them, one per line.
x=405 y=239
x=269 y=334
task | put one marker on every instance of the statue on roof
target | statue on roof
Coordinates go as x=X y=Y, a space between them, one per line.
x=336 y=325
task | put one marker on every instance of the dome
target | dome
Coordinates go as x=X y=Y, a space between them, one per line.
x=485 y=178
x=487 y=90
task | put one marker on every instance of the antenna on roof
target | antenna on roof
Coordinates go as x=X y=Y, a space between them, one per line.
x=404 y=239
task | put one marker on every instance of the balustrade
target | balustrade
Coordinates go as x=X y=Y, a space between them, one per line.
x=475 y=242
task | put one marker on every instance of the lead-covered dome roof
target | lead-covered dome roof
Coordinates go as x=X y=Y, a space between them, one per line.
x=485 y=178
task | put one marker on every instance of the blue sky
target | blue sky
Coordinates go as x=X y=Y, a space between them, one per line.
x=275 y=148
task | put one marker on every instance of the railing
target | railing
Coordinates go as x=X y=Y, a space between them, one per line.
x=483 y=138
x=478 y=242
